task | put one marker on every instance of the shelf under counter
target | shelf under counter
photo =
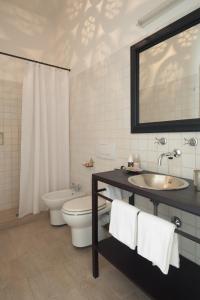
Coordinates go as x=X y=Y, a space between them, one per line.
x=179 y=284
x=182 y=283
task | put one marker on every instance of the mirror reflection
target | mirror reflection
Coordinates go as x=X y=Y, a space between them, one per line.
x=169 y=79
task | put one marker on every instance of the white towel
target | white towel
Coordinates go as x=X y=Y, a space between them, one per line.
x=157 y=241
x=123 y=223
x=113 y=192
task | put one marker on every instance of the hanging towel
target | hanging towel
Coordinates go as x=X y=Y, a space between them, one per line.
x=113 y=192
x=123 y=223
x=157 y=241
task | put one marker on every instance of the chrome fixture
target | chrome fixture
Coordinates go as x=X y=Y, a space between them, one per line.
x=1 y=138
x=157 y=12
x=158 y=182
x=191 y=141
x=160 y=141
x=169 y=155
x=176 y=221
x=34 y=61
x=75 y=187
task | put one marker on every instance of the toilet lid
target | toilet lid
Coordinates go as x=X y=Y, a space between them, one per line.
x=82 y=205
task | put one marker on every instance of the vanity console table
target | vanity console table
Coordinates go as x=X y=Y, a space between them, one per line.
x=182 y=283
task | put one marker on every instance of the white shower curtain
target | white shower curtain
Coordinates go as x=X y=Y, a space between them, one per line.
x=44 y=135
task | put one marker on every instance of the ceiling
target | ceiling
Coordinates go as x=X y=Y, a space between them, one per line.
x=46 y=8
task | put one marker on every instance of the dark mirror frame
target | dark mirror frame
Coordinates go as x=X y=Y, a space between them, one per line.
x=171 y=30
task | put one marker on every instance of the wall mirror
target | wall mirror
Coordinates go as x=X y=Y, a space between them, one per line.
x=165 y=78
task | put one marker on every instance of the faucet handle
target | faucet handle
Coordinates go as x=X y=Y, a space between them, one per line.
x=160 y=141
x=177 y=152
x=191 y=141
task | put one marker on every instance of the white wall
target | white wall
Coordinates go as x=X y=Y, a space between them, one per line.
x=90 y=30
x=100 y=102
x=11 y=76
x=27 y=27
x=100 y=113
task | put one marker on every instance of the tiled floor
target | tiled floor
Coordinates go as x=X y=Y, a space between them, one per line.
x=38 y=262
x=8 y=218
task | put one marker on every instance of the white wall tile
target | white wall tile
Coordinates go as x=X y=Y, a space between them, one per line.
x=100 y=112
x=188 y=160
x=10 y=93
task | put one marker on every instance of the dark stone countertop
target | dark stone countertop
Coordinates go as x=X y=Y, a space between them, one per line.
x=187 y=199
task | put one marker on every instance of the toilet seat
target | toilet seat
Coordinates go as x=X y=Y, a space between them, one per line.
x=82 y=206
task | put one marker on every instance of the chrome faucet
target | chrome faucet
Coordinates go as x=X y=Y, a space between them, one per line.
x=75 y=187
x=169 y=155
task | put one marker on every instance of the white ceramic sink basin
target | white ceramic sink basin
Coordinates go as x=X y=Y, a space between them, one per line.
x=158 y=182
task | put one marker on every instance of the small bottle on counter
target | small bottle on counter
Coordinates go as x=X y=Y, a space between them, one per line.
x=91 y=162
x=130 y=161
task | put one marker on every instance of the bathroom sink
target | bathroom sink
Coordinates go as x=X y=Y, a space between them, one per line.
x=158 y=182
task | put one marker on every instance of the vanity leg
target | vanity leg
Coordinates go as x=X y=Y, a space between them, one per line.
x=131 y=199
x=95 y=259
x=155 y=207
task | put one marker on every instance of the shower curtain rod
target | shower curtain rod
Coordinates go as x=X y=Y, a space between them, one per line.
x=35 y=61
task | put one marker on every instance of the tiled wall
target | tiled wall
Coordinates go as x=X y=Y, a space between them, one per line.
x=100 y=113
x=10 y=123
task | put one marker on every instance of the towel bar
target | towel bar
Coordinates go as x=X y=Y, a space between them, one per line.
x=155 y=204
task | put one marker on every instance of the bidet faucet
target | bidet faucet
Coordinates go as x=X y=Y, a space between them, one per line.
x=169 y=155
x=75 y=187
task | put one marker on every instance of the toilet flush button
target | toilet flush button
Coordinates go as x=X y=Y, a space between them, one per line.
x=106 y=151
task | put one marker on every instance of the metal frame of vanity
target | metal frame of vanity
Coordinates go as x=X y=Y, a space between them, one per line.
x=183 y=283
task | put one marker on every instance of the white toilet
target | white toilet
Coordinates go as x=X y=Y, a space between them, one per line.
x=55 y=200
x=77 y=213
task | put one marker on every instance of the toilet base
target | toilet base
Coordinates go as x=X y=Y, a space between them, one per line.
x=82 y=237
x=56 y=218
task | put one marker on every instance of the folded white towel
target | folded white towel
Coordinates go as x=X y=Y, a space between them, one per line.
x=113 y=192
x=157 y=241
x=123 y=223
